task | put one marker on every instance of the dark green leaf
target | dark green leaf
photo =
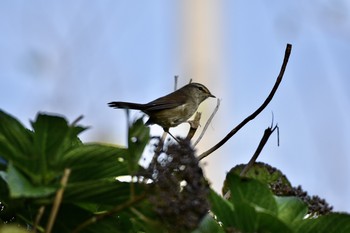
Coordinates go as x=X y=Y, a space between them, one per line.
x=252 y=192
x=38 y=154
x=101 y=192
x=332 y=223
x=291 y=209
x=15 y=139
x=222 y=209
x=138 y=138
x=52 y=138
x=95 y=161
x=271 y=224
x=246 y=218
x=209 y=225
x=20 y=186
x=71 y=216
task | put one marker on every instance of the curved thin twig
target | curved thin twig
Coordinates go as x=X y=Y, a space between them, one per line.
x=264 y=139
x=58 y=200
x=110 y=213
x=208 y=122
x=194 y=124
x=258 y=111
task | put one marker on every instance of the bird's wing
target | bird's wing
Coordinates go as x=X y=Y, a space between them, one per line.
x=165 y=102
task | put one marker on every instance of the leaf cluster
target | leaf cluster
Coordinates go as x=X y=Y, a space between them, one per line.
x=172 y=195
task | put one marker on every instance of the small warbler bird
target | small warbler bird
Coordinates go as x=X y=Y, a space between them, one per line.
x=172 y=109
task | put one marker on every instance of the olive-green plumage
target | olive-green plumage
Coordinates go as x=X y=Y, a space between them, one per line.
x=172 y=109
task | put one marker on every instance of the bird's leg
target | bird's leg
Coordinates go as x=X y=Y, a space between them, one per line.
x=167 y=131
x=161 y=143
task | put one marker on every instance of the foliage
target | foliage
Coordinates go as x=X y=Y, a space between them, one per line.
x=172 y=195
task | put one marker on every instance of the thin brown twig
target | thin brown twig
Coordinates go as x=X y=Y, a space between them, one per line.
x=208 y=122
x=58 y=200
x=258 y=111
x=176 y=78
x=160 y=144
x=194 y=124
x=75 y=122
x=261 y=145
x=264 y=139
x=109 y=213
x=38 y=218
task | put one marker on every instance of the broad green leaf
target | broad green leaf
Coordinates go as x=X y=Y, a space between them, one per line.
x=291 y=209
x=331 y=223
x=209 y=225
x=138 y=137
x=37 y=154
x=251 y=192
x=95 y=161
x=222 y=209
x=71 y=216
x=101 y=192
x=246 y=218
x=51 y=139
x=15 y=139
x=241 y=216
x=20 y=186
x=262 y=172
x=49 y=135
x=271 y=224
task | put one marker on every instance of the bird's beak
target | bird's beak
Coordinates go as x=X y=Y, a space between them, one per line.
x=212 y=96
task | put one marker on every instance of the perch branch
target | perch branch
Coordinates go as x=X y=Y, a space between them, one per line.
x=194 y=124
x=110 y=213
x=264 y=139
x=208 y=122
x=58 y=200
x=258 y=111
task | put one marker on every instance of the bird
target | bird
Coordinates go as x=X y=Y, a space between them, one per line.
x=172 y=109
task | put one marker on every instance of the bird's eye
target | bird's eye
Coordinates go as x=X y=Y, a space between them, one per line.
x=202 y=89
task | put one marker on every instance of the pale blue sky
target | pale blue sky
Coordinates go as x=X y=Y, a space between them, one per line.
x=72 y=58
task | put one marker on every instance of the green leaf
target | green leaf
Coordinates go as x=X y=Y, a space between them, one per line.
x=37 y=154
x=331 y=223
x=209 y=225
x=222 y=209
x=20 y=186
x=101 y=192
x=270 y=223
x=15 y=139
x=291 y=209
x=52 y=138
x=71 y=216
x=48 y=140
x=252 y=192
x=94 y=168
x=95 y=161
x=246 y=218
x=138 y=138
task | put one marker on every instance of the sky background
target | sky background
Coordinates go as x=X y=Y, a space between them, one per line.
x=72 y=58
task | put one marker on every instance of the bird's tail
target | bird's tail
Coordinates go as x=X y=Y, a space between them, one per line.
x=126 y=105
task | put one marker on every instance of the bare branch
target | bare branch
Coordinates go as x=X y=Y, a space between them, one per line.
x=40 y=213
x=258 y=111
x=58 y=200
x=261 y=145
x=176 y=78
x=110 y=213
x=75 y=122
x=194 y=124
x=208 y=122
